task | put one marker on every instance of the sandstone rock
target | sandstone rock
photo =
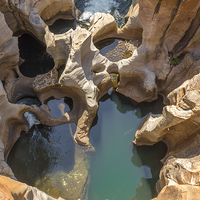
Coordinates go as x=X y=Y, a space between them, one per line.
x=170 y=126
x=181 y=192
x=33 y=16
x=5 y=193
x=82 y=74
x=182 y=171
x=104 y=26
x=11 y=189
x=151 y=59
x=133 y=28
x=178 y=127
x=85 y=71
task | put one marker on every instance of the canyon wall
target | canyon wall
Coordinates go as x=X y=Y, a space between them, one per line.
x=166 y=63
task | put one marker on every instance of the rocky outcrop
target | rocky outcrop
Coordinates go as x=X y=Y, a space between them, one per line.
x=178 y=127
x=33 y=16
x=104 y=26
x=170 y=126
x=79 y=73
x=11 y=189
x=12 y=120
x=150 y=64
x=181 y=192
x=165 y=63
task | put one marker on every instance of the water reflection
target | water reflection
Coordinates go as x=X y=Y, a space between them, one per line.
x=59 y=107
x=41 y=152
x=117 y=169
x=149 y=160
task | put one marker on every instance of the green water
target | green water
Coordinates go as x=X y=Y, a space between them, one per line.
x=119 y=170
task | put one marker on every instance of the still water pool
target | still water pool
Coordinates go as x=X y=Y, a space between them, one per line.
x=118 y=169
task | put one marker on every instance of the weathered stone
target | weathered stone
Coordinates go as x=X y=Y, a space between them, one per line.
x=82 y=74
x=178 y=127
x=179 y=192
x=33 y=16
x=11 y=189
x=103 y=26
x=170 y=126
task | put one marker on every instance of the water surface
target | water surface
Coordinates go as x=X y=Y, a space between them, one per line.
x=119 y=170
x=44 y=156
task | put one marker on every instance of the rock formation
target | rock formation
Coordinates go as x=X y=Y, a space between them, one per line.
x=166 y=63
x=33 y=16
x=79 y=74
x=178 y=127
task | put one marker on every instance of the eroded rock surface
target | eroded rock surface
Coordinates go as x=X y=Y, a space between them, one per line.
x=11 y=189
x=82 y=74
x=79 y=73
x=33 y=16
x=170 y=126
x=178 y=127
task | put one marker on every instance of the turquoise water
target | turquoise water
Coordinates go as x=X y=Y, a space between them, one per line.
x=117 y=167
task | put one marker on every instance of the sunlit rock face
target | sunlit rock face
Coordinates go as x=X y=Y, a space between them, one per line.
x=33 y=16
x=166 y=63
x=170 y=127
x=178 y=127
x=149 y=71
x=79 y=74
x=11 y=189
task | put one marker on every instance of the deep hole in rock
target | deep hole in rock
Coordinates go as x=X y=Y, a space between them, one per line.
x=62 y=25
x=44 y=151
x=37 y=60
x=150 y=156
